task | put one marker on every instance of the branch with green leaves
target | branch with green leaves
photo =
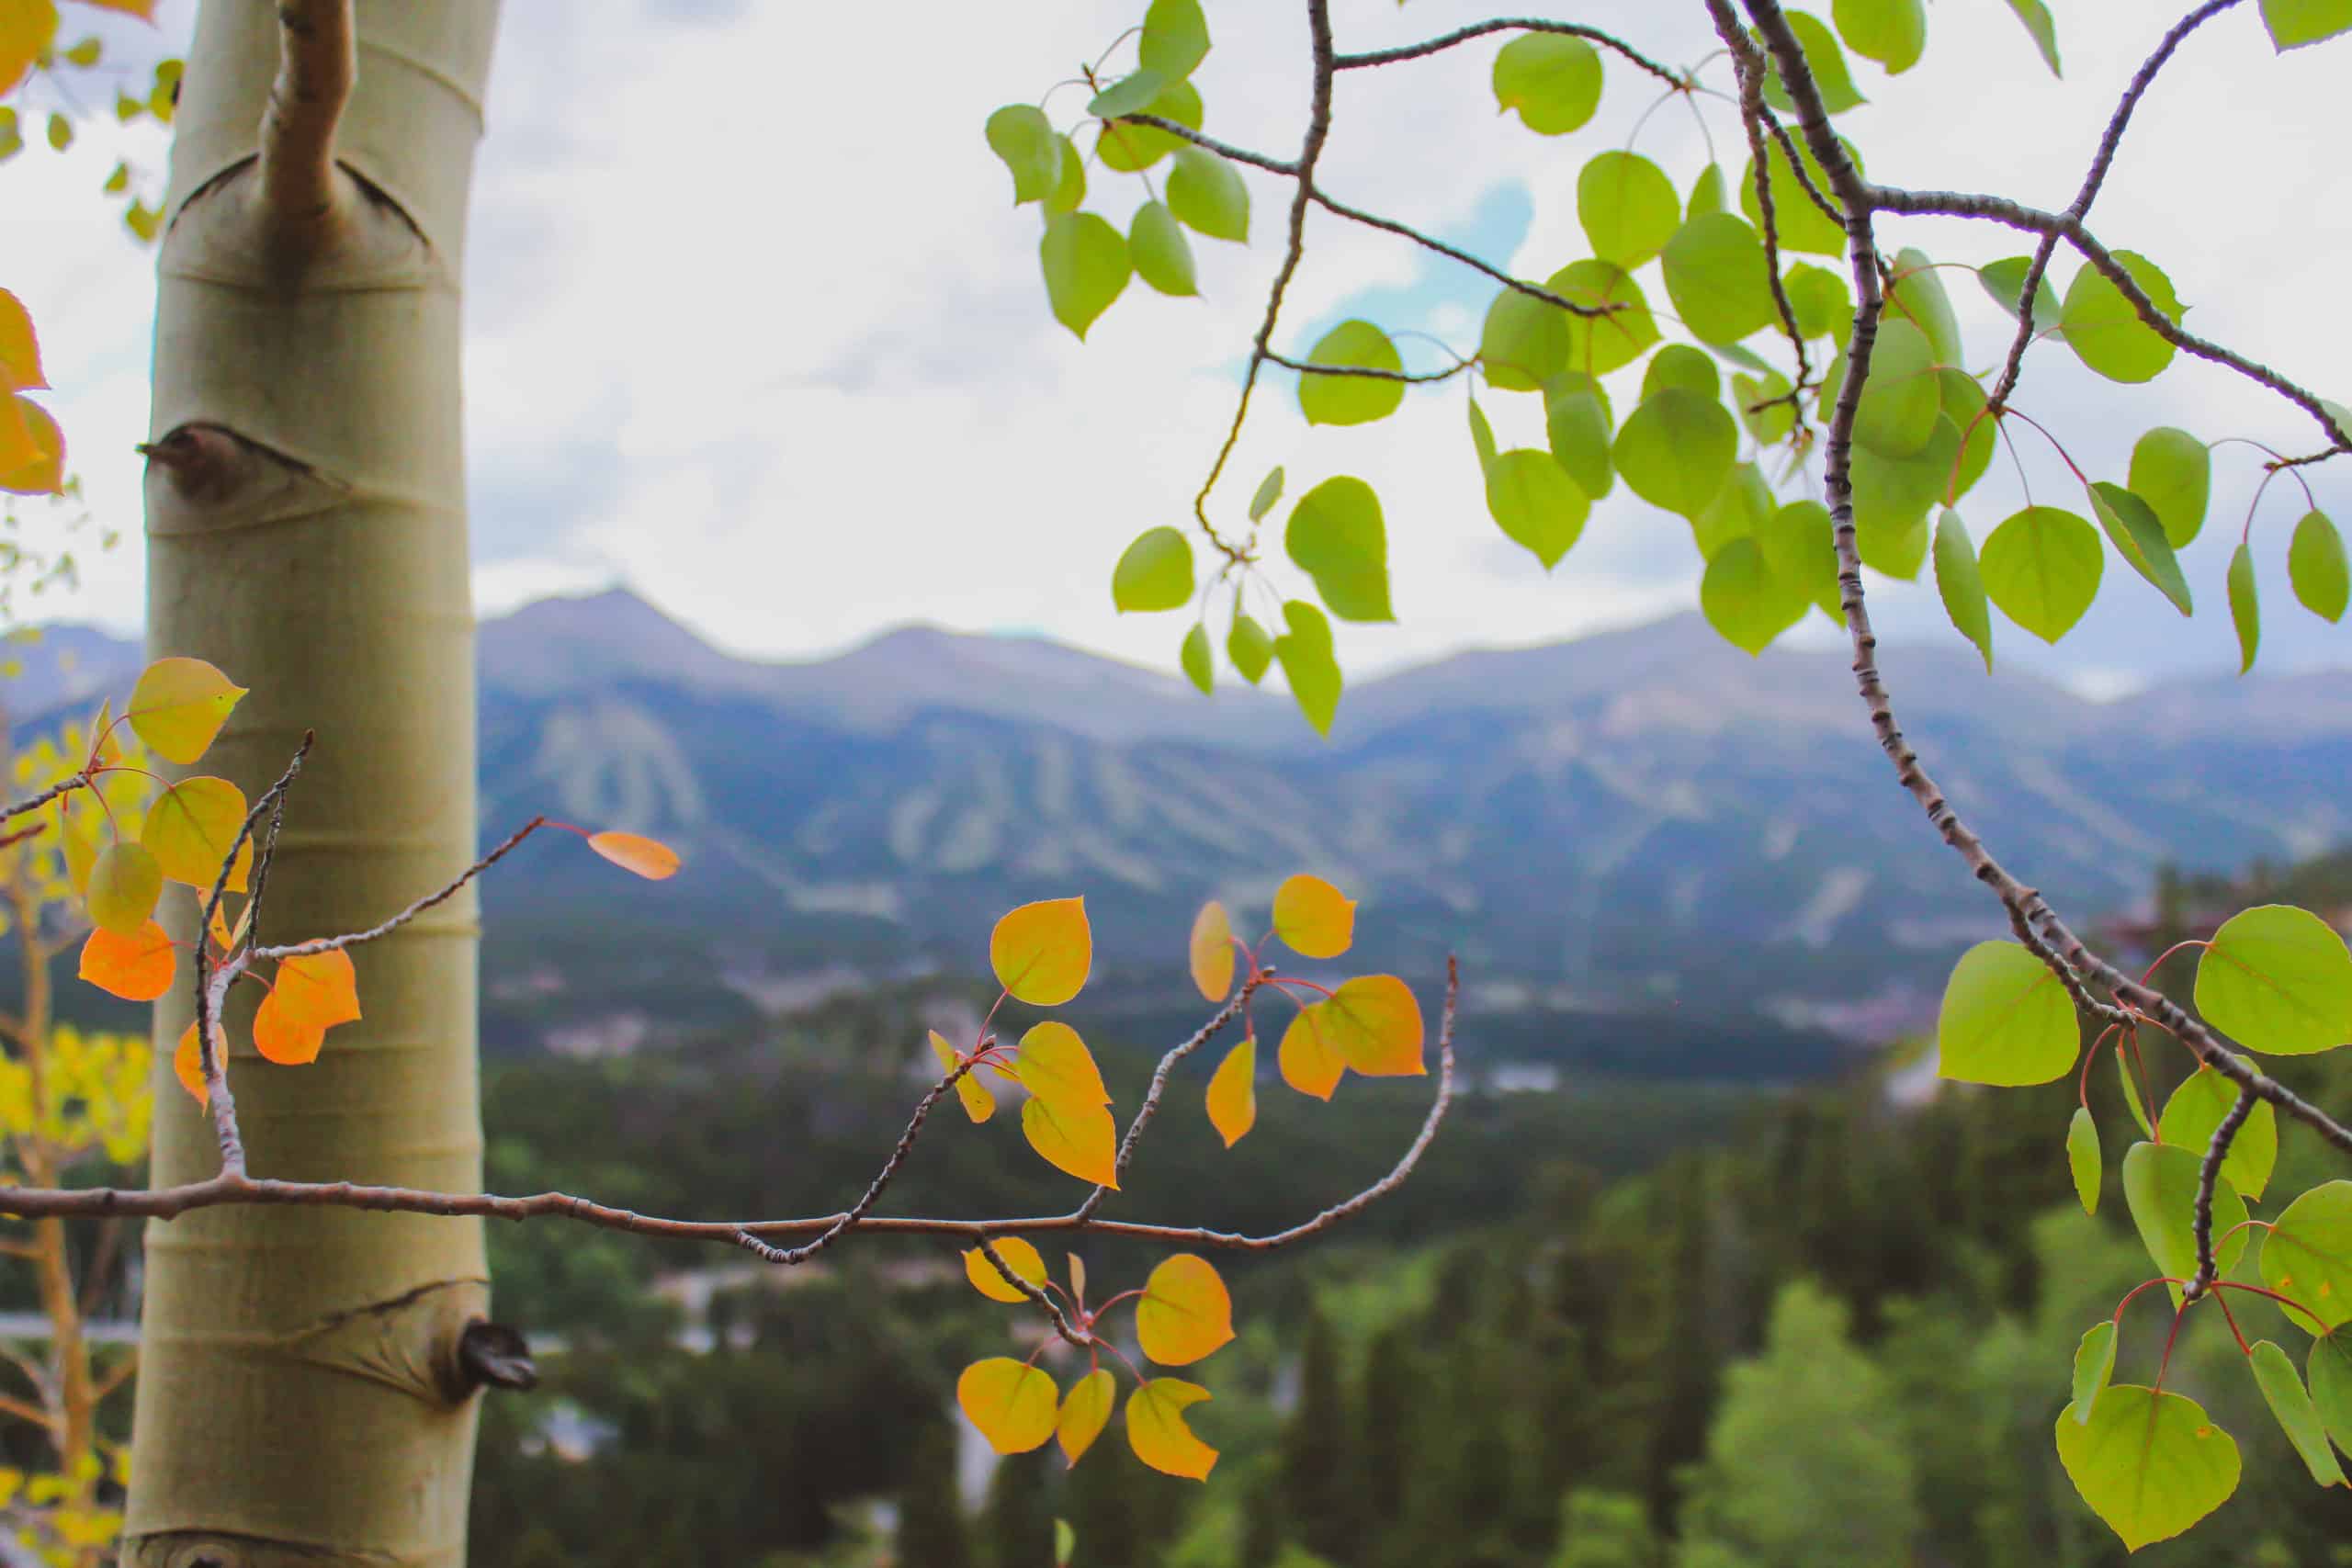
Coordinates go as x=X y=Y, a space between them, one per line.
x=1786 y=522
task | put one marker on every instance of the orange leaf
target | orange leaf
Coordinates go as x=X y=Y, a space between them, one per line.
x=1013 y=1405
x=179 y=704
x=1375 y=1025
x=1055 y=1066
x=283 y=1040
x=1086 y=1410
x=142 y=9
x=44 y=472
x=188 y=1065
x=20 y=348
x=1040 y=951
x=136 y=968
x=189 y=828
x=125 y=883
x=1311 y=916
x=1212 y=952
x=27 y=29
x=650 y=858
x=1157 y=1431
x=1233 y=1093
x=978 y=1103
x=1309 y=1062
x=1077 y=1138
x=1186 y=1314
x=317 y=990
x=1019 y=1256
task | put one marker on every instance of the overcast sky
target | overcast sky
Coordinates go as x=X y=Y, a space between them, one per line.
x=754 y=330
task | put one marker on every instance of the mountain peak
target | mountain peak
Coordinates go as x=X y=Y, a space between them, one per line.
x=560 y=644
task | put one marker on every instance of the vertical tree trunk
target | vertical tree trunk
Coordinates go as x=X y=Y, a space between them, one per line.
x=297 y=1400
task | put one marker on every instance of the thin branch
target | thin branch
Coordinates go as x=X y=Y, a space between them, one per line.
x=1747 y=63
x=1182 y=132
x=1422 y=50
x=1828 y=209
x=2097 y=176
x=2102 y=1013
x=1370 y=372
x=24 y=1411
x=317 y=63
x=1151 y=1106
x=333 y=943
x=2209 y=1176
x=1082 y=1337
x=35 y=802
x=116 y=1376
x=874 y=1190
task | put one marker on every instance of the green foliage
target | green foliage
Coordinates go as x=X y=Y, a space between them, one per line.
x=2104 y=329
x=2279 y=980
x=1352 y=400
x=2195 y=1112
x=2172 y=472
x=2042 y=566
x=1207 y=196
x=1162 y=257
x=1676 y=450
x=1336 y=537
x=2315 y=567
x=1154 y=572
x=2283 y=1391
x=1552 y=80
x=1893 y=32
x=1627 y=207
x=1961 y=585
x=1535 y=502
x=2160 y=1183
x=2151 y=1464
x=1085 y=261
x=1714 y=274
x=2004 y=1019
x=2294 y=23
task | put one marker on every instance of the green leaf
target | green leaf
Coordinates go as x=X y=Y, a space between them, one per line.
x=1892 y=32
x=2131 y=1101
x=2195 y=1112
x=2042 y=568
x=1679 y=365
x=1128 y=94
x=1069 y=195
x=1162 y=257
x=1715 y=276
x=2005 y=1019
x=1598 y=344
x=1085 y=261
x=1961 y=586
x=1578 y=426
x=2246 y=609
x=1800 y=224
x=1024 y=139
x=2315 y=567
x=1336 y=537
x=1535 y=502
x=1524 y=341
x=2294 y=23
x=2005 y=281
x=1824 y=60
x=1802 y=552
x=1745 y=600
x=1207 y=196
x=2277 y=979
x=1706 y=192
x=1963 y=400
x=1676 y=450
x=1195 y=657
x=1129 y=148
x=1482 y=436
x=2282 y=1390
x=1175 y=38
x=1250 y=649
x=1919 y=292
x=2150 y=1464
x=1352 y=400
x=1893 y=497
x=2330 y=1369
x=2094 y=1364
x=2036 y=18
x=1553 y=80
x=1308 y=663
x=2141 y=540
x=2107 y=333
x=1824 y=307
x=1739 y=508
x=1763 y=406
x=1627 y=207
x=2173 y=472
x=1903 y=399
x=1269 y=491
x=2307 y=1256
x=2082 y=1162
x=2160 y=1189
x=1065 y=1543
x=1154 y=573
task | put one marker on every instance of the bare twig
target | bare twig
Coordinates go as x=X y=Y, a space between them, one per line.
x=2208 y=1174
x=317 y=63
x=2085 y=1003
x=353 y=939
x=1747 y=63
x=1422 y=51
x=1151 y=1106
x=1370 y=372
x=1082 y=1337
x=34 y=803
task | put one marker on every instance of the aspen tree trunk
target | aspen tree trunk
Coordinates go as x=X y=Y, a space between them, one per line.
x=299 y=1399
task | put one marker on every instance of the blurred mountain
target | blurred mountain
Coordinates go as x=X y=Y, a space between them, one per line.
x=1652 y=852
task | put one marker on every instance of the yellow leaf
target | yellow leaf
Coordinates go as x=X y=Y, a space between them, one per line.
x=283 y=1040
x=1013 y=1405
x=650 y=858
x=1076 y=1275
x=1018 y=1255
x=1311 y=916
x=1157 y=1431
x=1212 y=952
x=1309 y=1062
x=190 y=826
x=317 y=990
x=1055 y=1066
x=1375 y=1025
x=1077 y=1138
x=189 y=1066
x=1233 y=1093
x=78 y=822
x=20 y=348
x=978 y=1103
x=179 y=704
x=27 y=29
x=142 y=9
x=1186 y=1314
x=1040 y=951
x=136 y=968
x=1086 y=1410
x=43 y=473
x=18 y=446
x=125 y=882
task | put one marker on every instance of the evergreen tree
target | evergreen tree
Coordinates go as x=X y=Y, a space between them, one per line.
x=1320 y=1473
x=931 y=1531
x=1016 y=1528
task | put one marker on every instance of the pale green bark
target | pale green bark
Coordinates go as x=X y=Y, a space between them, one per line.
x=297 y=1398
